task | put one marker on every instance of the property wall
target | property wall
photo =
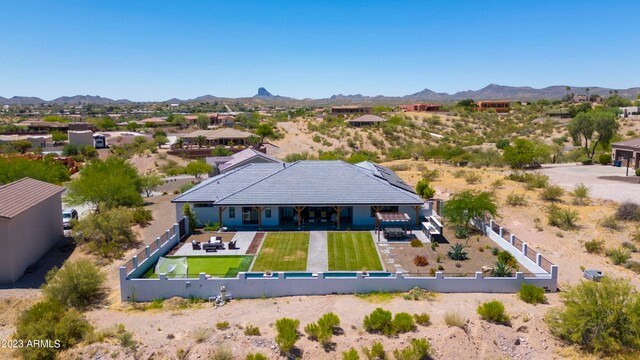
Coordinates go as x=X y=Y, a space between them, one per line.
x=162 y=246
x=28 y=236
x=319 y=284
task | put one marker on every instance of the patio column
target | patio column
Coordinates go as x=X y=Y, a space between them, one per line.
x=299 y=209
x=417 y=209
x=220 y=210
x=338 y=209
x=259 y=210
x=376 y=210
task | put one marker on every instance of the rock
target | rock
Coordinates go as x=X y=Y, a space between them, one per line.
x=522 y=329
x=517 y=342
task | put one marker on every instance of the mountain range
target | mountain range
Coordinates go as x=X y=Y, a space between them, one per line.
x=489 y=92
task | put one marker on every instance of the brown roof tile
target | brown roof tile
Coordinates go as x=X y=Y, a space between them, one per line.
x=23 y=194
x=630 y=143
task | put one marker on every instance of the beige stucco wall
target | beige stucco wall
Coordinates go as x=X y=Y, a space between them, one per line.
x=28 y=236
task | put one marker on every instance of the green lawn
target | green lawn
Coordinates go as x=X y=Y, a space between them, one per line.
x=283 y=252
x=352 y=251
x=220 y=266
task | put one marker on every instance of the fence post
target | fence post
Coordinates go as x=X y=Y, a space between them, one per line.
x=479 y=275
x=491 y=224
x=135 y=261
x=439 y=275
x=524 y=249
x=554 y=276
x=168 y=233
x=147 y=251
x=512 y=239
x=430 y=207
x=501 y=231
x=539 y=259
x=176 y=230
x=158 y=242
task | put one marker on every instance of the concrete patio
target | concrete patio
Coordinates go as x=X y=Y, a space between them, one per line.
x=243 y=240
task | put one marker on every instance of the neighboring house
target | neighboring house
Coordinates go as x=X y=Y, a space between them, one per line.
x=500 y=106
x=627 y=150
x=421 y=107
x=350 y=109
x=222 y=164
x=81 y=138
x=153 y=122
x=366 y=120
x=217 y=119
x=30 y=224
x=304 y=192
x=36 y=140
x=559 y=113
x=36 y=125
x=579 y=99
x=224 y=136
x=625 y=112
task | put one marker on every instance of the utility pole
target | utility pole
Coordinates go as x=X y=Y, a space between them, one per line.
x=628 y=158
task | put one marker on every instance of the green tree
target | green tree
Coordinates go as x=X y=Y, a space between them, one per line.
x=48 y=320
x=424 y=189
x=200 y=140
x=160 y=139
x=187 y=211
x=197 y=168
x=70 y=150
x=21 y=146
x=15 y=168
x=107 y=233
x=221 y=151
x=55 y=118
x=203 y=122
x=109 y=183
x=149 y=183
x=467 y=205
x=77 y=284
x=177 y=120
x=287 y=334
x=132 y=126
x=59 y=136
x=467 y=104
x=104 y=123
x=524 y=152
x=596 y=126
x=265 y=131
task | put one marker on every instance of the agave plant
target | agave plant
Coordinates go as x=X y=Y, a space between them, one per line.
x=502 y=269
x=462 y=232
x=457 y=252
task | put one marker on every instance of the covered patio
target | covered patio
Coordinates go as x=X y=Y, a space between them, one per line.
x=395 y=225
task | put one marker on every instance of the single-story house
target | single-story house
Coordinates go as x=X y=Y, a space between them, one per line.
x=500 y=106
x=421 y=107
x=627 y=111
x=30 y=224
x=223 y=136
x=307 y=192
x=38 y=140
x=350 y=109
x=366 y=120
x=222 y=164
x=216 y=119
x=627 y=150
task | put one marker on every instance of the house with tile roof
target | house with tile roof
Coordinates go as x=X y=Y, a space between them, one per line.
x=303 y=194
x=222 y=164
x=30 y=224
x=366 y=120
x=222 y=136
x=627 y=150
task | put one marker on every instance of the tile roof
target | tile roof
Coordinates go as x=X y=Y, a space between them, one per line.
x=245 y=155
x=630 y=143
x=223 y=133
x=23 y=194
x=368 y=118
x=300 y=183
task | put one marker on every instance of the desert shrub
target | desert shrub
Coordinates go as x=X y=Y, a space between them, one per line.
x=587 y=161
x=580 y=194
x=376 y=352
x=618 y=256
x=638 y=172
x=209 y=226
x=422 y=319
x=609 y=325
x=531 y=294
x=77 y=284
x=563 y=218
x=493 y=311
x=431 y=175
x=403 y=322
x=635 y=235
x=454 y=319
x=495 y=251
x=633 y=266
x=221 y=353
x=124 y=337
x=552 y=193
x=322 y=331
x=594 y=246
x=287 y=334
x=514 y=199
x=186 y=187
x=604 y=159
x=424 y=189
x=48 y=320
x=200 y=335
x=142 y=216
x=416 y=243
x=222 y=325
x=379 y=321
x=507 y=258
x=498 y=183
x=420 y=260
x=256 y=356
x=628 y=211
x=472 y=177
x=457 y=252
x=610 y=222
x=350 y=354
x=629 y=246
x=251 y=330
x=418 y=349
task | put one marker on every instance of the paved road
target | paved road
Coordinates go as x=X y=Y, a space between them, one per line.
x=606 y=182
x=318 y=258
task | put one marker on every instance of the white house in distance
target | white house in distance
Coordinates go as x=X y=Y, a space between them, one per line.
x=310 y=194
x=30 y=224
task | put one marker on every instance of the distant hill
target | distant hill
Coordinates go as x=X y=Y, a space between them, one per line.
x=489 y=92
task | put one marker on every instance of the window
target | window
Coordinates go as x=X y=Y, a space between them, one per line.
x=267 y=212
x=232 y=213
x=384 y=209
x=202 y=205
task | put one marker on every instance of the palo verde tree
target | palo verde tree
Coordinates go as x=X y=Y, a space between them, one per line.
x=467 y=205
x=149 y=183
x=265 y=131
x=593 y=128
x=524 y=152
x=106 y=183
x=197 y=168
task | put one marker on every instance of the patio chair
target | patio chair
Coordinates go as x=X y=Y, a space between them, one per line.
x=195 y=245
x=312 y=216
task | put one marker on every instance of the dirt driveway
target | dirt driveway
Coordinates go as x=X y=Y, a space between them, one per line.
x=606 y=182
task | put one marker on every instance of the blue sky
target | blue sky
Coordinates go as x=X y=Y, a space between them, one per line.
x=155 y=50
